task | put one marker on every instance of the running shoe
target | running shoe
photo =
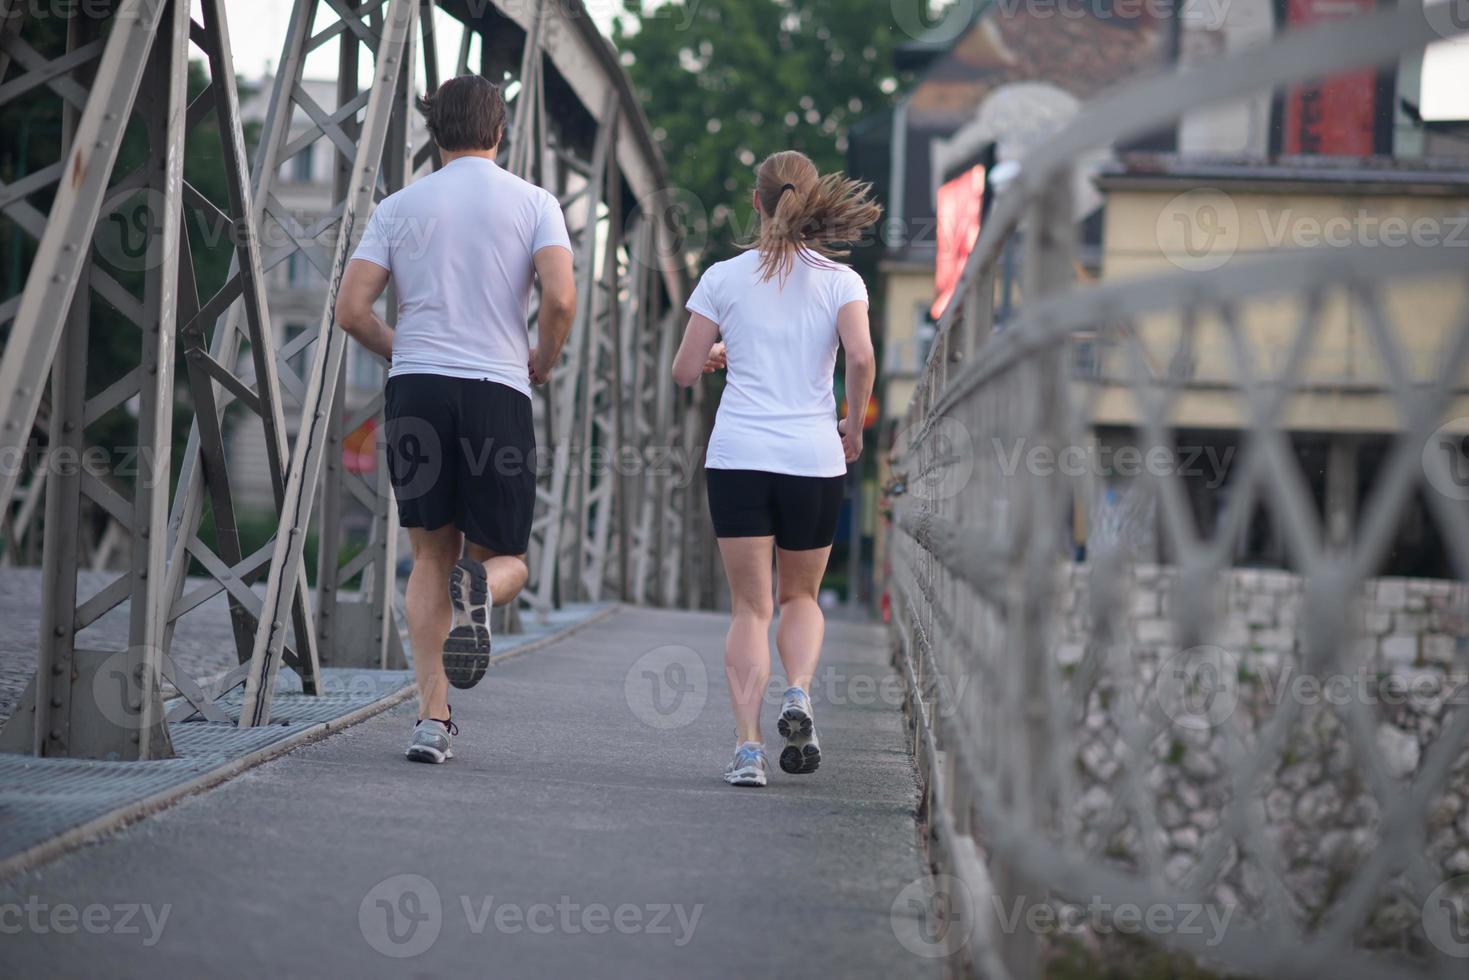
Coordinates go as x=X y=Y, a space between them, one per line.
x=467 y=649
x=433 y=741
x=748 y=767
x=802 y=752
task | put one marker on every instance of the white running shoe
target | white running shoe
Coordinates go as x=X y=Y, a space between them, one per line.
x=802 y=752
x=748 y=767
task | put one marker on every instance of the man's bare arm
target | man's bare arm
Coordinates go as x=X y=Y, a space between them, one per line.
x=558 y=309
x=362 y=284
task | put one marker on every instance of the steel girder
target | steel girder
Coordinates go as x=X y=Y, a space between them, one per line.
x=612 y=520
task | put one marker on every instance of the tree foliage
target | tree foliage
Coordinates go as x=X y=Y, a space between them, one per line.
x=725 y=83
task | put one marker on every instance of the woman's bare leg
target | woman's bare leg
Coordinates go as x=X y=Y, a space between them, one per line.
x=747 y=647
x=802 y=624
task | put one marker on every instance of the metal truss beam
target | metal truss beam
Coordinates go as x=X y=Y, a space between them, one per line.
x=601 y=529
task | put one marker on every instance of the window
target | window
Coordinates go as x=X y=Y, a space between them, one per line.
x=301 y=166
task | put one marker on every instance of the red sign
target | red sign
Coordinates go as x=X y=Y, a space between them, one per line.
x=1335 y=115
x=359 y=448
x=959 y=203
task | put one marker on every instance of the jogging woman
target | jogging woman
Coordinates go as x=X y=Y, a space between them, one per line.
x=777 y=460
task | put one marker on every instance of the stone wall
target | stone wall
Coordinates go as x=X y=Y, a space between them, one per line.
x=1316 y=809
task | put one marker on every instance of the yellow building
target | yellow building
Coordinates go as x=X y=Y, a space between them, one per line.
x=1163 y=215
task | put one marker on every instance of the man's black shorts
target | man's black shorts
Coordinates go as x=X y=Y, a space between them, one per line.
x=463 y=452
x=800 y=511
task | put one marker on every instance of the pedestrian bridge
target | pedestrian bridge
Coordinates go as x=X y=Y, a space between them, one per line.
x=582 y=829
x=1064 y=752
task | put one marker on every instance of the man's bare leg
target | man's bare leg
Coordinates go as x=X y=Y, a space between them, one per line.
x=506 y=574
x=429 y=615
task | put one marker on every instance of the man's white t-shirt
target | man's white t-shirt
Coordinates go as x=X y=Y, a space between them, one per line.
x=461 y=247
x=778 y=413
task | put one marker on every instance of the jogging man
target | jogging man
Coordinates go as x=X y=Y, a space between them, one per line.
x=463 y=248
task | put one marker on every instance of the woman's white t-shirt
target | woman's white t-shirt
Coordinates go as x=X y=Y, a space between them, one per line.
x=778 y=413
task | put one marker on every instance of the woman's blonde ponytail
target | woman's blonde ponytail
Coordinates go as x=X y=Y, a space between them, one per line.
x=807 y=213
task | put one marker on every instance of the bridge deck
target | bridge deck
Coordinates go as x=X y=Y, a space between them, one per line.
x=553 y=845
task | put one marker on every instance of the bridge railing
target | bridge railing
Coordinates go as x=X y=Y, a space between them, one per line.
x=1109 y=715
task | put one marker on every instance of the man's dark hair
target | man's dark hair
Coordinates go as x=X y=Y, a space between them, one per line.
x=465 y=113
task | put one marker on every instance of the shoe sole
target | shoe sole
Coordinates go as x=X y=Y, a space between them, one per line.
x=467 y=648
x=422 y=753
x=745 y=777
x=801 y=756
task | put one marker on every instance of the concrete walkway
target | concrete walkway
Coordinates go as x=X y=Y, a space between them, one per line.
x=582 y=830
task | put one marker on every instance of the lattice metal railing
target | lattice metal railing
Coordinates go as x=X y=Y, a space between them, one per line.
x=576 y=128
x=1094 y=728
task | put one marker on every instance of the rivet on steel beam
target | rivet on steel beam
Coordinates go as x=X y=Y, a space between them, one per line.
x=55 y=734
x=57 y=669
x=55 y=702
x=135 y=704
x=59 y=631
x=133 y=737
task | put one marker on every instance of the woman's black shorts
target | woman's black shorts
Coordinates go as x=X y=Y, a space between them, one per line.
x=800 y=511
x=463 y=452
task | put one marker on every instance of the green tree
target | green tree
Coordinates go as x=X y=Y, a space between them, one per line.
x=727 y=82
